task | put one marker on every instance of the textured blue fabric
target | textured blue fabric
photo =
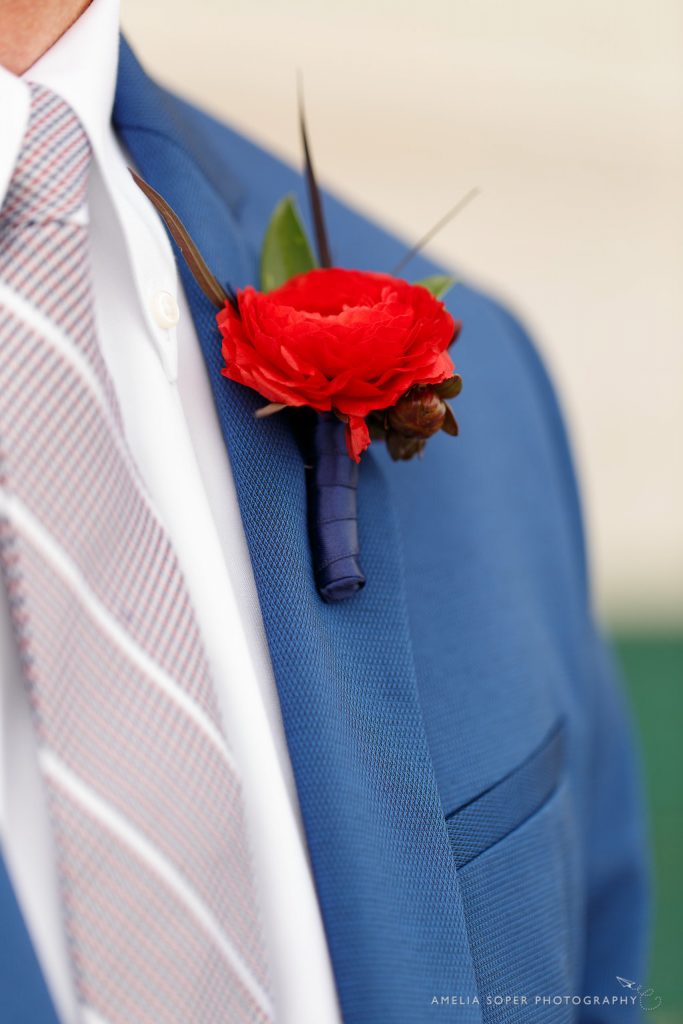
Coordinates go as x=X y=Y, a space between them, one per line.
x=496 y=812
x=24 y=998
x=522 y=921
x=377 y=837
x=471 y=641
x=334 y=512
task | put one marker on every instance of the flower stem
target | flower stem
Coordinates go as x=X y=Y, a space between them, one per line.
x=334 y=512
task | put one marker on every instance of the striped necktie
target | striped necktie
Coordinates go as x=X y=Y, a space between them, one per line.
x=155 y=876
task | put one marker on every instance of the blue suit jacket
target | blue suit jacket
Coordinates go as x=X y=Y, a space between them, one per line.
x=460 y=750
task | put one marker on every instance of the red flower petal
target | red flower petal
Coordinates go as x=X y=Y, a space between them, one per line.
x=335 y=338
x=357 y=437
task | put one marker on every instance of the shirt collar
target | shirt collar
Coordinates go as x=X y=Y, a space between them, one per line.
x=14 y=104
x=81 y=67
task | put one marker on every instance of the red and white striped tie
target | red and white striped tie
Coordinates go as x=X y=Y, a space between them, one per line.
x=158 y=896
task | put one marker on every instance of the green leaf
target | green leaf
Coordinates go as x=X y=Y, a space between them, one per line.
x=438 y=285
x=286 y=250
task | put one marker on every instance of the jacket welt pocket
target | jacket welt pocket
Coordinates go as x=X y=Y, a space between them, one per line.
x=492 y=815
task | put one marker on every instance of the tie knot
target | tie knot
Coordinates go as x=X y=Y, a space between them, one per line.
x=51 y=174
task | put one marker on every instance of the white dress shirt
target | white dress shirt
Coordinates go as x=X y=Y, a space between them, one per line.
x=153 y=356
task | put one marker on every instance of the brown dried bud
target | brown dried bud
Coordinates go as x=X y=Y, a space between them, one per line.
x=420 y=413
x=401 y=447
x=450 y=388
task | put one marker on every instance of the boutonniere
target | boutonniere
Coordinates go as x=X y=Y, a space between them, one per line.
x=367 y=351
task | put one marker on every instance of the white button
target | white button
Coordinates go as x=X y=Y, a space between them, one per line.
x=165 y=310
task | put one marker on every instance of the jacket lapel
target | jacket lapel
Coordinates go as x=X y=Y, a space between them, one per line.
x=381 y=857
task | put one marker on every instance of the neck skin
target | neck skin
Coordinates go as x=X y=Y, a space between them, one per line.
x=30 y=27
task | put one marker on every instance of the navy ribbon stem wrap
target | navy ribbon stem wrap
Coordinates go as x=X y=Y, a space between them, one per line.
x=334 y=512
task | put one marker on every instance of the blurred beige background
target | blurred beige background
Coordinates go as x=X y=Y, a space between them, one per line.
x=569 y=116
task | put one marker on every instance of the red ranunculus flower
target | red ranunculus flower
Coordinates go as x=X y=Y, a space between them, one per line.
x=337 y=339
